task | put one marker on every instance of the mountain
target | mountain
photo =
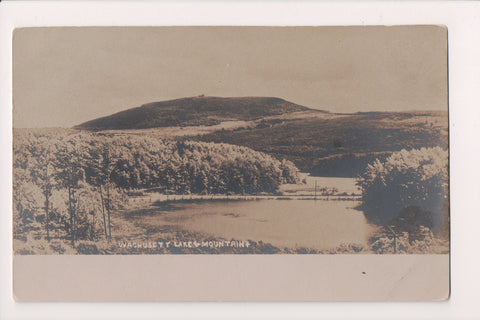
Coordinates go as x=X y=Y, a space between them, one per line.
x=318 y=142
x=193 y=111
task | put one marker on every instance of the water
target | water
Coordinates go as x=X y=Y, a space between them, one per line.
x=283 y=223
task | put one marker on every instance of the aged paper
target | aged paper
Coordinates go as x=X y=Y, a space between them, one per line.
x=203 y=158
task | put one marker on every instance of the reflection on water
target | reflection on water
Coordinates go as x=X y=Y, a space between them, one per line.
x=283 y=223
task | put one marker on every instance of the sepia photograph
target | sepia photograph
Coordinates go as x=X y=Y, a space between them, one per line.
x=260 y=160
x=230 y=140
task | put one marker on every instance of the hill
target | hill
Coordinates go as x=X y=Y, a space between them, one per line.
x=194 y=111
x=341 y=145
x=318 y=142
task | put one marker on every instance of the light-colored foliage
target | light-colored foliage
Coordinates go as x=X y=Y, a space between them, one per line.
x=415 y=178
x=68 y=183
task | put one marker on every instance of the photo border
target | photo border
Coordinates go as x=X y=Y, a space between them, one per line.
x=464 y=48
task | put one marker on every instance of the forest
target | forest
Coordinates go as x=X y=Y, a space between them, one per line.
x=67 y=183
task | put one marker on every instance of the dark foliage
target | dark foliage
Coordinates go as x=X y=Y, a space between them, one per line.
x=193 y=112
x=409 y=189
x=357 y=139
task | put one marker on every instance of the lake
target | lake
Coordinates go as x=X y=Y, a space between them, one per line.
x=316 y=224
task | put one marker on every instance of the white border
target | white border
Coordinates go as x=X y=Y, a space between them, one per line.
x=462 y=20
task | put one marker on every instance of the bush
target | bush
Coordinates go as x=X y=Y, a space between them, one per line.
x=422 y=242
x=408 y=187
x=31 y=245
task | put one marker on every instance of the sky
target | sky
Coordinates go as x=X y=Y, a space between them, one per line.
x=64 y=76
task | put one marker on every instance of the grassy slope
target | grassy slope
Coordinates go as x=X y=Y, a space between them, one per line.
x=194 y=111
x=340 y=146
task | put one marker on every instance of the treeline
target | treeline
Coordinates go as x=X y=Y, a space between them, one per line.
x=347 y=164
x=68 y=184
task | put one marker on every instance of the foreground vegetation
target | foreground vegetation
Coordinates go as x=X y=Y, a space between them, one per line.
x=70 y=186
x=67 y=184
x=131 y=239
x=408 y=187
x=408 y=195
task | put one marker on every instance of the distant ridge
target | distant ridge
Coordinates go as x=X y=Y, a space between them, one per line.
x=193 y=111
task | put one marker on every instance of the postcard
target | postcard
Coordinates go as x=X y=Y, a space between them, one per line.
x=224 y=163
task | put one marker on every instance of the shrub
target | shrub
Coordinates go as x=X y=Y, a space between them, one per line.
x=414 y=183
x=422 y=242
x=346 y=248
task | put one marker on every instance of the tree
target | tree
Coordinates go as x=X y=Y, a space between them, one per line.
x=44 y=176
x=415 y=178
x=70 y=173
x=98 y=179
x=107 y=166
x=62 y=180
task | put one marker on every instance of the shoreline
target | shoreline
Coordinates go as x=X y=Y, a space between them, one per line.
x=139 y=239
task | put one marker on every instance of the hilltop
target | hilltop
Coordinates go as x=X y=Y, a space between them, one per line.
x=193 y=111
x=317 y=142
